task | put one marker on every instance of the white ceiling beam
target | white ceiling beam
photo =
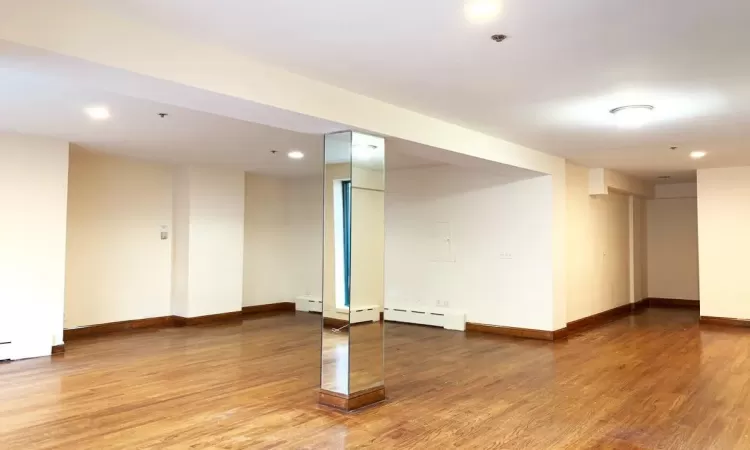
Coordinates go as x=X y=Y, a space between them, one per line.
x=135 y=58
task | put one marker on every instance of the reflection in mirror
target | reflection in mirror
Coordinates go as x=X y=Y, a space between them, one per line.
x=367 y=262
x=353 y=274
x=337 y=225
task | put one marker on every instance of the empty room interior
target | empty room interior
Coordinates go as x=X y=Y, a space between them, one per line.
x=454 y=224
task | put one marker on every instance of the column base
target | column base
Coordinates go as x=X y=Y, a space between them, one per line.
x=353 y=401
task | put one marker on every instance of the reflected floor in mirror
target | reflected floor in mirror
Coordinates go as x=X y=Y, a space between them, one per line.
x=655 y=380
x=366 y=358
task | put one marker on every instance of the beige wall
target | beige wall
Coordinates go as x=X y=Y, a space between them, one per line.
x=599 y=259
x=283 y=231
x=118 y=268
x=724 y=241
x=213 y=253
x=673 y=243
x=368 y=247
x=472 y=241
x=265 y=241
x=639 y=274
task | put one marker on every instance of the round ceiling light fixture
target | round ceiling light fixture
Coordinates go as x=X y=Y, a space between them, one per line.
x=482 y=11
x=295 y=154
x=97 y=112
x=697 y=154
x=632 y=116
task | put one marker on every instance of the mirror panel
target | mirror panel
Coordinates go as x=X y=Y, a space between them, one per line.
x=336 y=224
x=367 y=263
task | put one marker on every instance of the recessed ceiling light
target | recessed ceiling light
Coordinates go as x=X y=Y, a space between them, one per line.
x=697 y=154
x=482 y=11
x=296 y=154
x=632 y=116
x=97 y=112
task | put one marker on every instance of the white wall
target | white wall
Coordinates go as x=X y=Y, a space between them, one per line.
x=118 y=268
x=33 y=208
x=215 y=222
x=599 y=247
x=497 y=266
x=673 y=242
x=724 y=241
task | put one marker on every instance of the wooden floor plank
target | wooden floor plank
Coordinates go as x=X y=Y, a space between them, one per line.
x=654 y=380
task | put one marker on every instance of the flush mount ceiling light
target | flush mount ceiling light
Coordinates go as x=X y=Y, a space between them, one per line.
x=632 y=116
x=697 y=154
x=97 y=112
x=482 y=11
x=295 y=154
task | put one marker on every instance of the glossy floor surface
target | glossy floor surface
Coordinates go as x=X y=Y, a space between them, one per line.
x=654 y=381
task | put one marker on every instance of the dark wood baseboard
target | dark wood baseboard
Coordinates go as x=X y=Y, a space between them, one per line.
x=332 y=322
x=527 y=333
x=655 y=302
x=115 y=327
x=149 y=323
x=58 y=349
x=562 y=333
x=601 y=318
x=725 y=321
x=353 y=401
x=272 y=307
x=202 y=320
x=640 y=305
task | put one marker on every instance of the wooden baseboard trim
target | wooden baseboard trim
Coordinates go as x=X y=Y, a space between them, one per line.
x=58 y=349
x=601 y=318
x=202 y=320
x=332 y=322
x=527 y=333
x=353 y=401
x=115 y=327
x=725 y=321
x=272 y=307
x=640 y=305
x=655 y=302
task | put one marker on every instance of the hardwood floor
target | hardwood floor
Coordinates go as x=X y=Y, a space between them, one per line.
x=654 y=380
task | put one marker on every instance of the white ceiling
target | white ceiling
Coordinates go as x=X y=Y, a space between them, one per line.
x=549 y=86
x=39 y=104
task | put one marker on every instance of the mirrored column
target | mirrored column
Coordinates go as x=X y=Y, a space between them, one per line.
x=353 y=271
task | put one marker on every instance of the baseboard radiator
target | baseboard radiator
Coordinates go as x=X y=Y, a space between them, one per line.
x=438 y=317
x=5 y=351
x=356 y=315
x=307 y=303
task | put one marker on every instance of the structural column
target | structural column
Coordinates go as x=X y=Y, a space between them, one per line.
x=353 y=271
